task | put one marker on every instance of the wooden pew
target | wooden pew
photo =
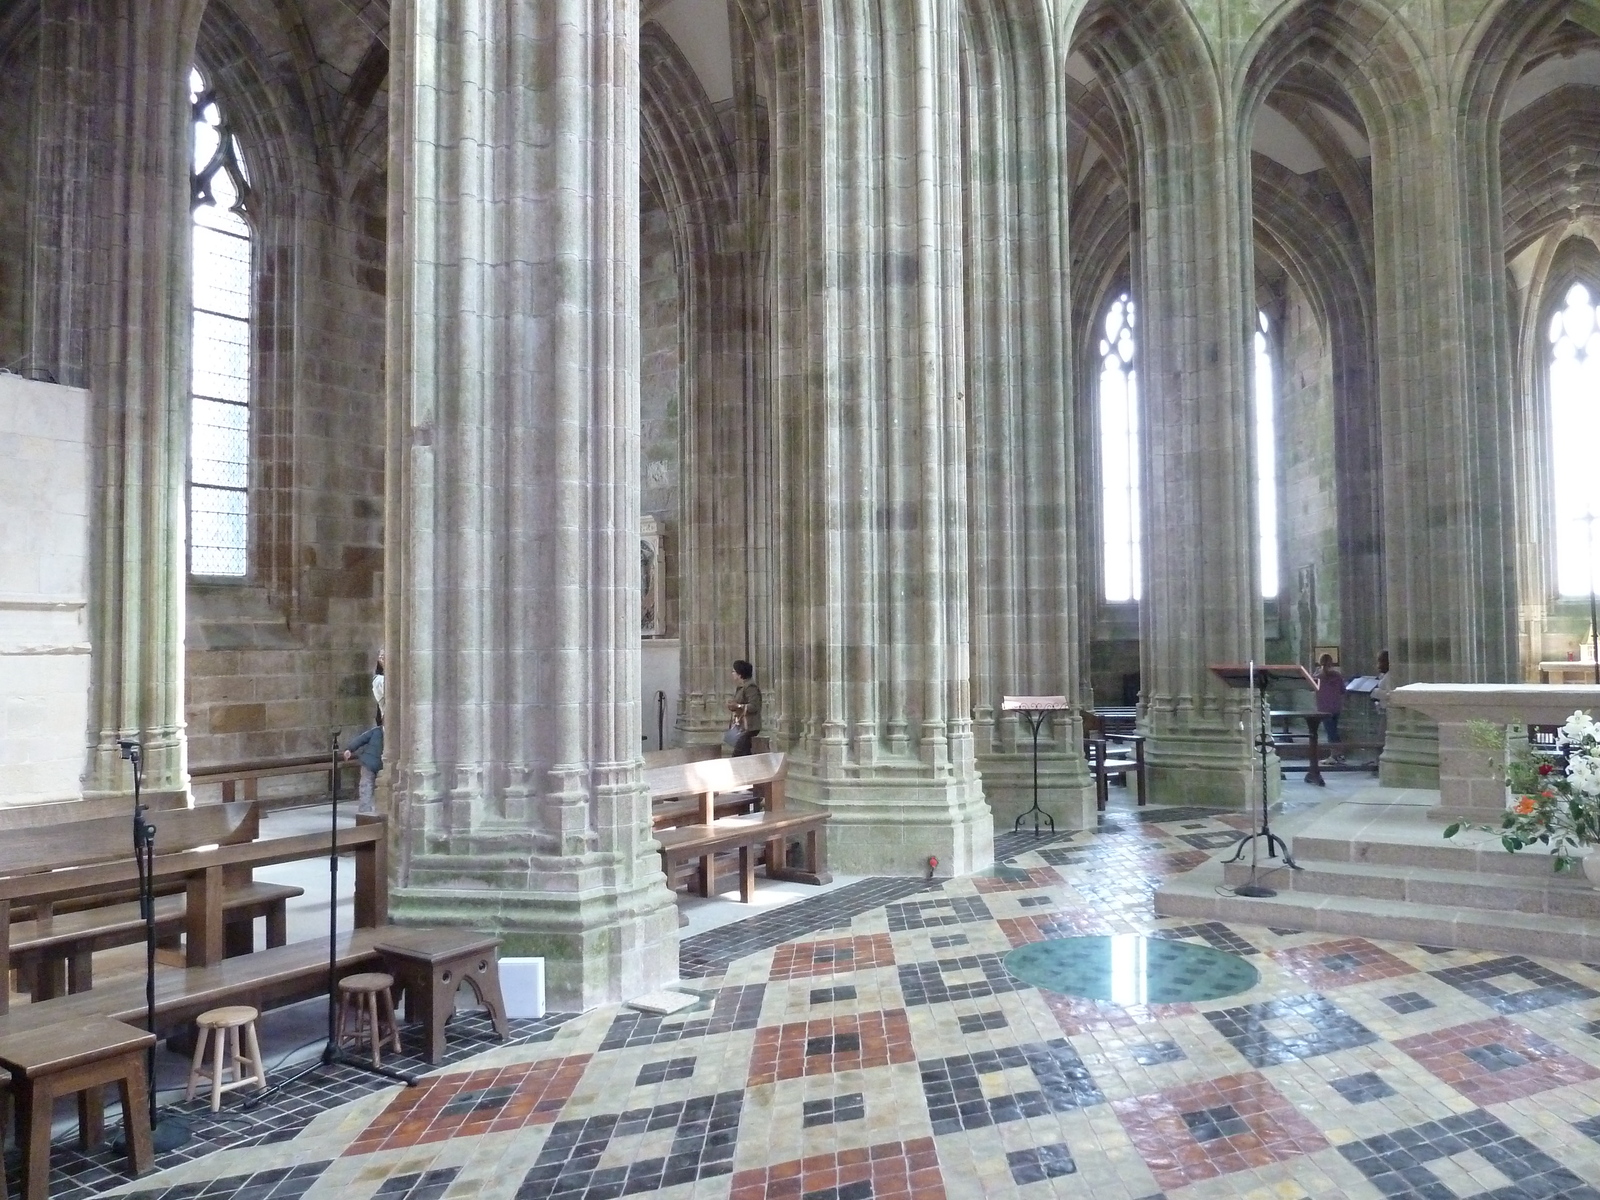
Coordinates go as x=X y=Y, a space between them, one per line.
x=702 y=782
x=679 y=756
x=247 y=773
x=203 y=874
x=745 y=834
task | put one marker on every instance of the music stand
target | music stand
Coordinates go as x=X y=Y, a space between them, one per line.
x=1258 y=678
x=1034 y=710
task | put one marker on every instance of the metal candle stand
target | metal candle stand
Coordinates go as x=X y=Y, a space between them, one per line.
x=1257 y=680
x=1035 y=710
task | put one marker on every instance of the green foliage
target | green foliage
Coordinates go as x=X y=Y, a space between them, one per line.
x=1555 y=797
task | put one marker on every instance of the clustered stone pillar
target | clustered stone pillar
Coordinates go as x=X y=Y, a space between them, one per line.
x=870 y=432
x=1020 y=480
x=512 y=546
x=109 y=281
x=1196 y=319
x=1445 y=415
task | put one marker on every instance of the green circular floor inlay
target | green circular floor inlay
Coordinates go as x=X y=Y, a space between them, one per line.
x=1128 y=969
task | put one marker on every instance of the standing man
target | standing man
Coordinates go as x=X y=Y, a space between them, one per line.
x=745 y=707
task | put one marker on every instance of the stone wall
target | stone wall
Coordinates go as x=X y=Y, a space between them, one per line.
x=16 y=101
x=44 y=639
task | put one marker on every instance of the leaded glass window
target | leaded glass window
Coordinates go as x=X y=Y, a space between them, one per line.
x=1574 y=343
x=219 y=419
x=1119 y=453
x=1266 y=459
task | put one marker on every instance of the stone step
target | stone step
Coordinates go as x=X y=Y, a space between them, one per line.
x=1199 y=894
x=1568 y=894
x=1476 y=853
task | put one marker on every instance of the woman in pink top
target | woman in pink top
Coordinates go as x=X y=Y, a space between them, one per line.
x=1330 y=696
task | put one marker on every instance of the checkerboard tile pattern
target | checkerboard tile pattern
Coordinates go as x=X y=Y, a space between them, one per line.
x=869 y=1042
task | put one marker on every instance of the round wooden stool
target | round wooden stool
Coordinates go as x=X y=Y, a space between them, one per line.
x=359 y=1012
x=214 y=1024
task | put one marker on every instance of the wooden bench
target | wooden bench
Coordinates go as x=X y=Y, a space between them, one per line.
x=52 y=949
x=203 y=874
x=1115 y=756
x=249 y=772
x=680 y=755
x=702 y=782
x=55 y=955
x=746 y=834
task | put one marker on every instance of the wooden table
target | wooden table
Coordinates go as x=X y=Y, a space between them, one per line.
x=1313 y=722
x=79 y=1056
x=430 y=965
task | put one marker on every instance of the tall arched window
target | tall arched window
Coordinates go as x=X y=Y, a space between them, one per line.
x=1266 y=460
x=1119 y=453
x=1574 y=411
x=219 y=418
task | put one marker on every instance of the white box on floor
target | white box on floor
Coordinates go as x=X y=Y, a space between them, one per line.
x=522 y=983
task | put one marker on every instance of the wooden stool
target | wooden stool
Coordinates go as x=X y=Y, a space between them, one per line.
x=79 y=1055
x=214 y=1024
x=359 y=996
x=432 y=964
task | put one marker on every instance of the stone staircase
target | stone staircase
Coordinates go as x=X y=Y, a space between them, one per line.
x=1375 y=865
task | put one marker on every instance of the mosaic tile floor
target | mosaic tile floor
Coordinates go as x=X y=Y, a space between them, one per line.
x=870 y=1043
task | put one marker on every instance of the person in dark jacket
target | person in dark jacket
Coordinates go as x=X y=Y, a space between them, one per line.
x=367 y=748
x=745 y=707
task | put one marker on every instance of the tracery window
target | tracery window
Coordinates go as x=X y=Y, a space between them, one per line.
x=219 y=419
x=1574 y=400
x=1266 y=459
x=1119 y=454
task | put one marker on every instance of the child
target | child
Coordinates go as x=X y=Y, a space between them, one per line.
x=368 y=748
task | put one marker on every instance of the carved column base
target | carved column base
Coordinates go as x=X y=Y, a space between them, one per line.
x=1214 y=765
x=1066 y=789
x=888 y=825
x=600 y=944
x=1410 y=756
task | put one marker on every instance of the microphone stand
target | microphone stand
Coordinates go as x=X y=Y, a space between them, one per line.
x=331 y=1053
x=169 y=1132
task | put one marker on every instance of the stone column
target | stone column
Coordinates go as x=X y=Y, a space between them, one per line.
x=1444 y=402
x=870 y=439
x=1019 y=394
x=512 y=549
x=1196 y=323
x=109 y=280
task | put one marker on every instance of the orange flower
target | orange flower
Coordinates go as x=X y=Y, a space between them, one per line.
x=1524 y=806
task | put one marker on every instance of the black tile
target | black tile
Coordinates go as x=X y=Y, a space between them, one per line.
x=832 y=995
x=704 y=1132
x=732 y=1009
x=659 y=1072
x=1359 y=1089
x=954 y=1092
x=1210 y=1124
x=1396 y=1163
x=1408 y=1002
x=859 y=1190
x=1495 y=1057
x=1064 y=856
x=832 y=1110
x=1214 y=933
x=1338 y=962
x=428 y=1185
x=1040 y=1162
x=1151 y=1054
x=924 y=983
x=828 y=954
x=981 y=1022
x=1035 y=901
x=708 y=954
x=934 y=914
x=945 y=941
x=483 y=1100
x=835 y=1043
x=1215 y=840
x=1550 y=988
x=1332 y=1029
